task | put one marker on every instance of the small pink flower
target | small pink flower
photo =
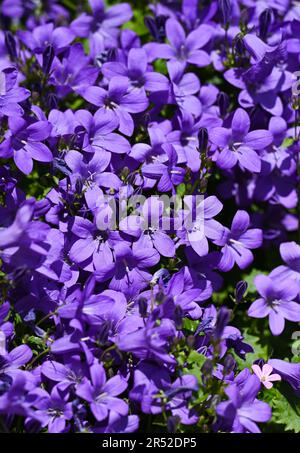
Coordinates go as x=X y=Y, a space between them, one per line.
x=265 y=375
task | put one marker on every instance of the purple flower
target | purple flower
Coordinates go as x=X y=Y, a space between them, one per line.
x=99 y=137
x=266 y=78
x=118 y=424
x=104 y=21
x=11 y=361
x=101 y=393
x=290 y=253
x=149 y=342
x=152 y=384
x=46 y=34
x=67 y=76
x=289 y=372
x=242 y=411
x=168 y=174
x=277 y=302
x=203 y=227
x=54 y=410
x=137 y=72
x=184 y=49
x=238 y=241
x=183 y=89
x=148 y=226
x=17 y=400
x=23 y=142
x=238 y=144
x=128 y=270
x=11 y=95
x=120 y=100
x=65 y=375
x=91 y=243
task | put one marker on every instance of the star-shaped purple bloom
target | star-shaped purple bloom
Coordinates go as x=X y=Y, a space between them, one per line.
x=119 y=99
x=237 y=144
x=238 y=241
x=101 y=393
x=23 y=142
x=277 y=301
x=184 y=49
x=242 y=411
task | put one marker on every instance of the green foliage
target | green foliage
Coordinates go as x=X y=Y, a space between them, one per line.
x=194 y=363
x=137 y=23
x=285 y=407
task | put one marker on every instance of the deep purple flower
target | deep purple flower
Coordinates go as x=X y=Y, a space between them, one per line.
x=137 y=72
x=68 y=76
x=168 y=174
x=289 y=372
x=242 y=411
x=238 y=144
x=119 y=99
x=46 y=34
x=290 y=253
x=277 y=302
x=99 y=136
x=103 y=22
x=91 y=243
x=23 y=142
x=54 y=410
x=238 y=241
x=101 y=393
x=184 y=49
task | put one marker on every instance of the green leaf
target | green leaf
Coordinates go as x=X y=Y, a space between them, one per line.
x=180 y=190
x=285 y=408
x=160 y=66
x=189 y=324
x=137 y=23
x=36 y=340
x=288 y=141
x=195 y=362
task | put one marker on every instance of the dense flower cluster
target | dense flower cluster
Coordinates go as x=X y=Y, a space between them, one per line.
x=130 y=328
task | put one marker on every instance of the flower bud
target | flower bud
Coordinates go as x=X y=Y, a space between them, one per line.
x=151 y=25
x=79 y=185
x=160 y=23
x=48 y=56
x=172 y=423
x=10 y=44
x=223 y=103
x=239 y=46
x=143 y=307
x=240 y=289
x=265 y=20
x=178 y=315
x=52 y=101
x=203 y=139
x=207 y=367
x=222 y=320
x=225 y=10
x=103 y=332
x=229 y=364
